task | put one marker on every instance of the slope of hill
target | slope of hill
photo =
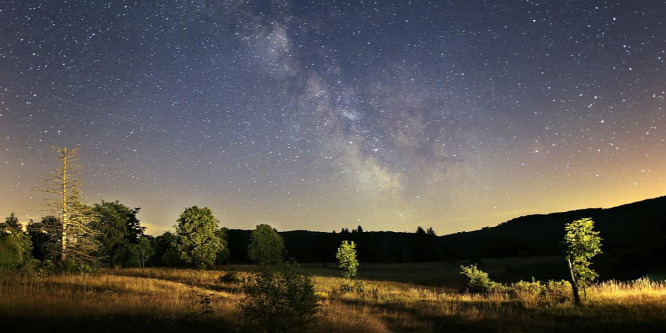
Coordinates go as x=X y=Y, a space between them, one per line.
x=634 y=237
x=634 y=240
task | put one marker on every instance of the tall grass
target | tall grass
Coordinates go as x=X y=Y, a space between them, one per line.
x=160 y=296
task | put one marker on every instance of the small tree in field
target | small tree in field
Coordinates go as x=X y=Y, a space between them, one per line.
x=476 y=280
x=347 y=257
x=581 y=243
x=141 y=251
x=196 y=240
x=266 y=246
x=279 y=299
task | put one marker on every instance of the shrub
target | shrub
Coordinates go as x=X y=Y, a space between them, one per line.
x=558 y=291
x=476 y=280
x=46 y=268
x=279 y=299
x=346 y=255
x=539 y=293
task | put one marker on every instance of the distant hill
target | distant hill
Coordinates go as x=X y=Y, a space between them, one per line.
x=633 y=237
x=634 y=240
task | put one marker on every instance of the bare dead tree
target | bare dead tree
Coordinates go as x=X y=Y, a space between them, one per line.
x=77 y=242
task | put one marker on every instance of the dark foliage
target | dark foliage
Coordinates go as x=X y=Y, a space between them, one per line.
x=119 y=229
x=634 y=241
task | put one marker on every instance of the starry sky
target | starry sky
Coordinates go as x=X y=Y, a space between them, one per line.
x=321 y=115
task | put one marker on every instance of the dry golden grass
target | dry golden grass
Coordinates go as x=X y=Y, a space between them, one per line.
x=161 y=297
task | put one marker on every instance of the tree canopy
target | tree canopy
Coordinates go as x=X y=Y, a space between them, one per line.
x=581 y=243
x=119 y=228
x=196 y=241
x=347 y=257
x=15 y=245
x=266 y=246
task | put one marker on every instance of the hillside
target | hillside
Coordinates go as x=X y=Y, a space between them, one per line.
x=634 y=237
x=634 y=240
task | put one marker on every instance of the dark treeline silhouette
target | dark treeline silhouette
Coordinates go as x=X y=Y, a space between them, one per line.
x=634 y=240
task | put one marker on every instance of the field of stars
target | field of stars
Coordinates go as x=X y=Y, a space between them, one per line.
x=321 y=115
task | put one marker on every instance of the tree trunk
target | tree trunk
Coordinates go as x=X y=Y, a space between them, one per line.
x=574 y=285
x=63 y=253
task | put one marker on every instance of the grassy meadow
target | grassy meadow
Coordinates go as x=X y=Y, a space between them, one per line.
x=421 y=297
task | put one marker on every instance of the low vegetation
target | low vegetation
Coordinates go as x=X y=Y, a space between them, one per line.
x=168 y=300
x=278 y=299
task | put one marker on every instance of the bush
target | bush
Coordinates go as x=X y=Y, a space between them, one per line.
x=476 y=280
x=279 y=299
x=558 y=291
x=77 y=267
x=539 y=293
x=46 y=268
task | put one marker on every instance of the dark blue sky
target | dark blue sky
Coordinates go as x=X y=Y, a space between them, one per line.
x=388 y=114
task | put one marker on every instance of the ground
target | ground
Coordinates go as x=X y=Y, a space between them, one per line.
x=421 y=297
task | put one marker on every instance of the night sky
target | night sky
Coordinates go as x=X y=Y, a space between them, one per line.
x=320 y=115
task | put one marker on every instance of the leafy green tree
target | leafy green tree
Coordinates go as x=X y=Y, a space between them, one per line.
x=141 y=251
x=196 y=241
x=15 y=245
x=279 y=299
x=119 y=229
x=581 y=243
x=266 y=246
x=346 y=255
x=476 y=280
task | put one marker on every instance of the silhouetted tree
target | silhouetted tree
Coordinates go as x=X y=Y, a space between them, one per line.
x=44 y=235
x=424 y=245
x=119 y=228
x=223 y=254
x=12 y=223
x=166 y=252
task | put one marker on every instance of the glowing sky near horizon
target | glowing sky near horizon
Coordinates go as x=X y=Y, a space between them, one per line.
x=386 y=114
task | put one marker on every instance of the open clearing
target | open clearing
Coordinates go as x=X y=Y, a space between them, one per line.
x=419 y=297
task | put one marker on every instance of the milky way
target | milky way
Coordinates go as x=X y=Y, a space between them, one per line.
x=386 y=114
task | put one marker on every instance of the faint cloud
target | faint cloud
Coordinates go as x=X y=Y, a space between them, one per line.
x=156 y=229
